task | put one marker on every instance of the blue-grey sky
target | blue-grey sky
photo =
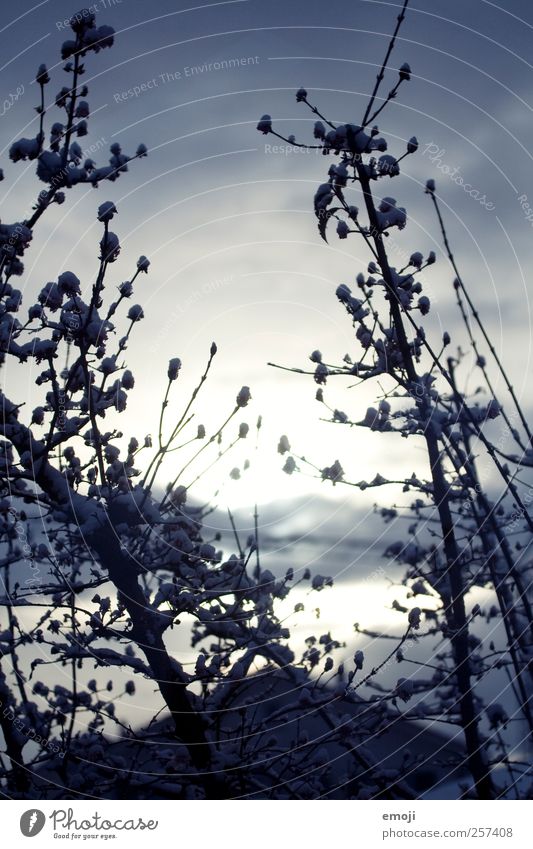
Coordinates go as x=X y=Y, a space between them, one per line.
x=227 y=222
x=236 y=257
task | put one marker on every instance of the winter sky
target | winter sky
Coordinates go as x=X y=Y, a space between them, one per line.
x=227 y=220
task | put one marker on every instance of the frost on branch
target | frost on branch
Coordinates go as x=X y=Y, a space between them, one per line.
x=61 y=161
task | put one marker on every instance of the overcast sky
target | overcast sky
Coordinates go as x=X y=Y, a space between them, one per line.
x=228 y=223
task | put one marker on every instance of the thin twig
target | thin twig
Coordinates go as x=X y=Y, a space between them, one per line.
x=379 y=78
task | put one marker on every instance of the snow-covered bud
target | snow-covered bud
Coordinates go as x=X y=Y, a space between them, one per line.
x=135 y=313
x=37 y=417
x=332 y=473
x=243 y=397
x=340 y=175
x=84 y=19
x=493 y=409
x=111 y=453
x=67 y=50
x=13 y=302
x=496 y=715
x=108 y=365
x=106 y=211
x=404 y=689
x=179 y=495
x=319 y=131
x=290 y=465
x=342 y=229
x=174 y=366
x=283 y=445
x=68 y=283
x=42 y=76
x=265 y=125
x=35 y=311
x=359 y=659
x=61 y=96
x=82 y=109
x=405 y=71
x=128 y=380
x=321 y=374
x=424 y=304
x=110 y=247
x=388 y=165
x=371 y=417
x=414 y=618
x=318 y=582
